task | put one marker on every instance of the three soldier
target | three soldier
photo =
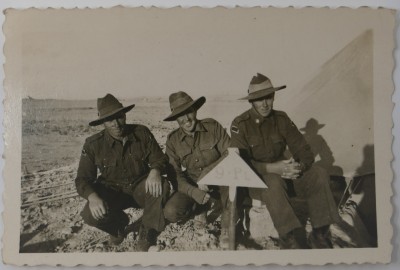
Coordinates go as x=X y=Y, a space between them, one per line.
x=131 y=165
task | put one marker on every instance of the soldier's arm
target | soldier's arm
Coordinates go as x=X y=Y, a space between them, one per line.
x=222 y=147
x=223 y=139
x=87 y=172
x=176 y=172
x=238 y=140
x=297 y=144
x=156 y=159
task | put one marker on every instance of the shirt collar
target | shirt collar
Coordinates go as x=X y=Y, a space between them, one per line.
x=199 y=128
x=257 y=118
x=111 y=141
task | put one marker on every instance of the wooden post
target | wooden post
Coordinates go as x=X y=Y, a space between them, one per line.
x=232 y=218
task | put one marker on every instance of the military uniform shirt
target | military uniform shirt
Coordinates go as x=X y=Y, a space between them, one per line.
x=196 y=154
x=119 y=163
x=264 y=139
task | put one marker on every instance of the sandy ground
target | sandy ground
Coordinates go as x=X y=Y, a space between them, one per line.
x=52 y=136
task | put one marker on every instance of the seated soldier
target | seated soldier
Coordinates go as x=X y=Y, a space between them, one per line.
x=130 y=162
x=262 y=135
x=193 y=150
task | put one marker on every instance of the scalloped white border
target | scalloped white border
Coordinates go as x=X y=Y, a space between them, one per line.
x=165 y=4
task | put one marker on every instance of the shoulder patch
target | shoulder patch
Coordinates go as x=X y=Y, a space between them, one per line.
x=235 y=129
x=84 y=153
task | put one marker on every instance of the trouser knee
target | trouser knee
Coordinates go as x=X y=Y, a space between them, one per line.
x=173 y=214
x=179 y=207
x=88 y=217
x=165 y=192
x=316 y=178
x=276 y=188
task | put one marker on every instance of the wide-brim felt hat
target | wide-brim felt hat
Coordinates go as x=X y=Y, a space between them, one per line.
x=180 y=102
x=312 y=124
x=107 y=107
x=260 y=86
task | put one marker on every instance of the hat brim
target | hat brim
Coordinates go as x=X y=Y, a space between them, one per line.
x=318 y=126
x=262 y=93
x=195 y=104
x=101 y=119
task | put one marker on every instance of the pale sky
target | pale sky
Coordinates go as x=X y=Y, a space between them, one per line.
x=83 y=54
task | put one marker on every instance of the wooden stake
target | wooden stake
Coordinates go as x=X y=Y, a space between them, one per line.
x=232 y=219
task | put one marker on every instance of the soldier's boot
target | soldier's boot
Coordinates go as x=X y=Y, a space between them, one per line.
x=288 y=241
x=116 y=240
x=147 y=238
x=224 y=237
x=200 y=220
x=320 y=238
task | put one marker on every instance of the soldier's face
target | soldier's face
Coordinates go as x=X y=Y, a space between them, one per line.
x=264 y=105
x=115 y=125
x=188 y=121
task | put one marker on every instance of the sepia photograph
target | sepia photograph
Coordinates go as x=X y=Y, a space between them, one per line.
x=247 y=134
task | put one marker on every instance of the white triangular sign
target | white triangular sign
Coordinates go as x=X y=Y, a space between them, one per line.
x=234 y=172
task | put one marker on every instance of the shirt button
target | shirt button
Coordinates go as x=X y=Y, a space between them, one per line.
x=197 y=160
x=200 y=169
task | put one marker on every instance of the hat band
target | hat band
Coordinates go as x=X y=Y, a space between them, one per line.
x=179 y=102
x=261 y=86
x=109 y=109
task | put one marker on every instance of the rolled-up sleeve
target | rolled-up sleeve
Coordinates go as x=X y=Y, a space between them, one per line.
x=87 y=172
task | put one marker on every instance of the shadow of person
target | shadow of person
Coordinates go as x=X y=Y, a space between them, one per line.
x=324 y=156
x=363 y=187
x=318 y=144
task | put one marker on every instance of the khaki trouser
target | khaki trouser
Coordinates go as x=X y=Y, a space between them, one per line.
x=313 y=186
x=120 y=198
x=180 y=206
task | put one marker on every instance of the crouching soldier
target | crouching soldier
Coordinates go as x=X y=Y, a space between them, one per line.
x=130 y=163
x=193 y=150
x=262 y=135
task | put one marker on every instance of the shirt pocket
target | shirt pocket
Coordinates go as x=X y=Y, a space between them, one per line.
x=138 y=164
x=209 y=153
x=106 y=165
x=184 y=155
x=257 y=147
x=278 y=145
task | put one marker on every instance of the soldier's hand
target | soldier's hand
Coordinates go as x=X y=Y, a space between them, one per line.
x=97 y=206
x=291 y=170
x=206 y=198
x=277 y=167
x=203 y=187
x=154 y=183
x=288 y=169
